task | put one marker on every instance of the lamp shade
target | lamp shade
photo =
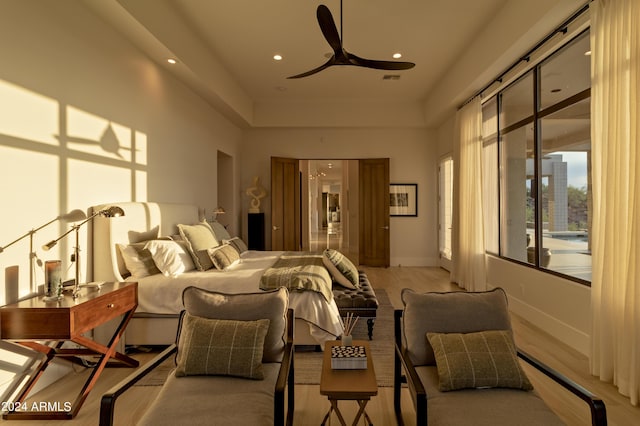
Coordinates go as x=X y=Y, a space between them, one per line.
x=73 y=216
x=113 y=211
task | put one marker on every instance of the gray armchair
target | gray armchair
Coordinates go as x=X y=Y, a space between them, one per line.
x=244 y=389
x=455 y=353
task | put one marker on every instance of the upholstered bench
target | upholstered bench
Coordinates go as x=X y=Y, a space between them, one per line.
x=361 y=302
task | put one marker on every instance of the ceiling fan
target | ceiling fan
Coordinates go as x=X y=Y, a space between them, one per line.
x=340 y=56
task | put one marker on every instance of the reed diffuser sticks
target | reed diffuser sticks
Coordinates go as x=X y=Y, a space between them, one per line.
x=349 y=324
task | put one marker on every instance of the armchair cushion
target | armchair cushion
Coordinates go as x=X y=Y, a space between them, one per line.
x=483 y=407
x=220 y=347
x=485 y=359
x=457 y=312
x=214 y=400
x=271 y=305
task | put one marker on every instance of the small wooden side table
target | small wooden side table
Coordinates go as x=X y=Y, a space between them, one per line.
x=44 y=326
x=357 y=385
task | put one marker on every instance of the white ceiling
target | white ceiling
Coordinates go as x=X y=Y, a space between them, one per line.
x=245 y=34
x=225 y=48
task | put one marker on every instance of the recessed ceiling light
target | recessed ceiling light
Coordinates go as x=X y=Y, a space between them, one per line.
x=587 y=53
x=277 y=57
x=397 y=55
x=172 y=61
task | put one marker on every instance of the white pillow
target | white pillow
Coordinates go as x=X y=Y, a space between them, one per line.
x=171 y=257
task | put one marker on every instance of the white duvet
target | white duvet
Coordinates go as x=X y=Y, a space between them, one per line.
x=159 y=294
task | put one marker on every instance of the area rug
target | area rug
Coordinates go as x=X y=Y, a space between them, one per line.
x=308 y=364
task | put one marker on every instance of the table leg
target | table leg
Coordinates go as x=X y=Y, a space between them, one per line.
x=363 y=404
x=334 y=407
x=107 y=352
x=334 y=404
x=49 y=352
x=326 y=416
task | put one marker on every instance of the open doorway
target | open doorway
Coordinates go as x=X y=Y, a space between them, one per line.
x=354 y=203
x=326 y=204
x=224 y=210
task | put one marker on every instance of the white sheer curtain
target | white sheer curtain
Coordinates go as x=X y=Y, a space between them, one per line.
x=615 y=117
x=469 y=263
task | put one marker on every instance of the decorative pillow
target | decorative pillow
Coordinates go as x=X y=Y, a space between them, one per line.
x=220 y=347
x=449 y=312
x=220 y=231
x=486 y=359
x=245 y=307
x=144 y=236
x=199 y=238
x=341 y=269
x=237 y=243
x=170 y=257
x=224 y=256
x=138 y=260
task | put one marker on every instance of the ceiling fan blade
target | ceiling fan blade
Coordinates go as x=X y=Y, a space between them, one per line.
x=340 y=55
x=328 y=28
x=327 y=64
x=380 y=65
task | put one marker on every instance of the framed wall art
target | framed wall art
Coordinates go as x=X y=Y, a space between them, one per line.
x=403 y=199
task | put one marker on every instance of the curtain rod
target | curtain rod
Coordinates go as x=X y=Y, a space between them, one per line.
x=562 y=28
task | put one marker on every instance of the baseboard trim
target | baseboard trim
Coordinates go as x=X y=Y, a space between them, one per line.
x=573 y=337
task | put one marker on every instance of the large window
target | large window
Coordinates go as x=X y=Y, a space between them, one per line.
x=543 y=157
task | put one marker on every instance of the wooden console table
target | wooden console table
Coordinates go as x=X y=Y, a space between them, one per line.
x=44 y=326
x=358 y=385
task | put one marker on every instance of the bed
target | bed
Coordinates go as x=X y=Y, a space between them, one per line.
x=159 y=295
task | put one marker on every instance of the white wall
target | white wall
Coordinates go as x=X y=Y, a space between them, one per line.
x=558 y=306
x=412 y=153
x=85 y=118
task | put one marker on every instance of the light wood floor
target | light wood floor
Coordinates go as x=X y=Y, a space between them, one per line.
x=311 y=406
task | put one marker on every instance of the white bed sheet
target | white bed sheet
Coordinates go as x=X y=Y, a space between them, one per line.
x=158 y=294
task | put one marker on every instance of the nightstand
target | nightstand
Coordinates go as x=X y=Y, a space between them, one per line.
x=44 y=327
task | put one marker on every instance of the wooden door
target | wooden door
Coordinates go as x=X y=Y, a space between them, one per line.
x=374 y=212
x=285 y=204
